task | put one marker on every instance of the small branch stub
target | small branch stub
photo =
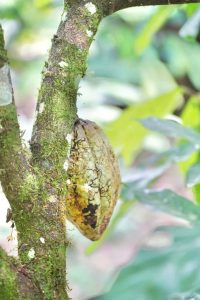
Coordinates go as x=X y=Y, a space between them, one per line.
x=94 y=180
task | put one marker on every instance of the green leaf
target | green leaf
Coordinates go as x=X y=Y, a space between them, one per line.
x=151 y=27
x=190 y=117
x=132 y=190
x=193 y=175
x=155 y=77
x=191 y=27
x=176 y=154
x=43 y=3
x=127 y=134
x=160 y=274
x=191 y=8
x=191 y=113
x=172 y=128
x=187 y=296
x=182 y=57
x=194 y=65
x=172 y=203
x=173 y=50
x=142 y=179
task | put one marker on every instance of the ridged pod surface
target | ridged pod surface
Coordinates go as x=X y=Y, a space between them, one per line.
x=94 y=180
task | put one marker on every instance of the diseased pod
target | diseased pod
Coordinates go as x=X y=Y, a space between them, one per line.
x=94 y=180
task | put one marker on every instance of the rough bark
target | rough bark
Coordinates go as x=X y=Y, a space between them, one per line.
x=34 y=180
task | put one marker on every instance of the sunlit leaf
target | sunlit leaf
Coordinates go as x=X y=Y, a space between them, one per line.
x=151 y=27
x=191 y=8
x=191 y=113
x=126 y=134
x=42 y=3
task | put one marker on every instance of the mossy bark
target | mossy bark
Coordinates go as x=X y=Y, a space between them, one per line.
x=34 y=180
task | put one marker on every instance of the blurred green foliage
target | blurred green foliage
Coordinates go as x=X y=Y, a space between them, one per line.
x=161 y=106
x=164 y=274
x=165 y=71
x=28 y=27
x=143 y=65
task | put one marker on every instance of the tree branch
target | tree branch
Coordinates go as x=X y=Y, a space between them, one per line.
x=106 y=8
x=116 y=5
x=56 y=114
x=39 y=220
x=57 y=97
x=13 y=158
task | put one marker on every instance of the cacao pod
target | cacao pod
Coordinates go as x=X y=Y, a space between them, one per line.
x=94 y=180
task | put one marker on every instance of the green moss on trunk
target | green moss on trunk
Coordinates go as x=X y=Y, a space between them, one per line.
x=3 y=56
x=8 y=280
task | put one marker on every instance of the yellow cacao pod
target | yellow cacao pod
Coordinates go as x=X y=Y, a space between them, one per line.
x=94 y=180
